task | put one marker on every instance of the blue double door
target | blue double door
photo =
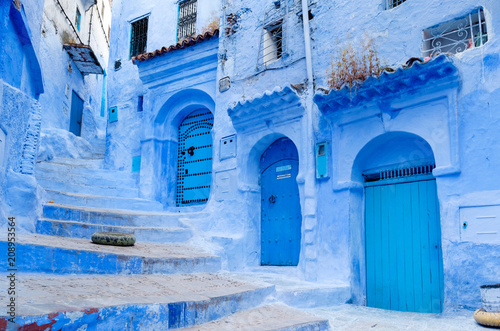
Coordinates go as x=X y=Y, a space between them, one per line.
x=404 y=268
x=194 y=158
x=281 y=217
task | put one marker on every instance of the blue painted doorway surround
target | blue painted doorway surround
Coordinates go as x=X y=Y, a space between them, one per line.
x=281 y=217
x=404 y=269
x=75 y=121
x=194 y=158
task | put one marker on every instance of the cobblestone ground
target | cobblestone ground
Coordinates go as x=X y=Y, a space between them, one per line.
x=356 y=318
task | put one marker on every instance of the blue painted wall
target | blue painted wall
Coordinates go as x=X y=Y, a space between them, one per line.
x=21 y=83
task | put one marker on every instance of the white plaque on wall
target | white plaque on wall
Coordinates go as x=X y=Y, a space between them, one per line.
x=480 y=224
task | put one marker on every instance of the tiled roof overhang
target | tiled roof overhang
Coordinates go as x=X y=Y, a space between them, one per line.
x=278 y=105
x=437 y=74
x=185 y=43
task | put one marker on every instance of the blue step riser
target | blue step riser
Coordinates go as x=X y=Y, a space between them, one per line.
x=53 y=260
x=104 y=202
x=150 y=317
x=108 y=218
x=78 y=230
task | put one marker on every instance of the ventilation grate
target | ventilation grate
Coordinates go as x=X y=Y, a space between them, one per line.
x=420 y=170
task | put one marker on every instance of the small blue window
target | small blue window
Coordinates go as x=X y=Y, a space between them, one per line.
x=140 y=103
x=78 y=19
x=136 y=164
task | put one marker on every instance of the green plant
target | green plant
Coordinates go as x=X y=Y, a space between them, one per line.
x=352 y=66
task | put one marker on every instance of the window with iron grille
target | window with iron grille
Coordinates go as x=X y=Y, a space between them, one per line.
x=457 y=35
x=389 y=4
x=272 y=40
x=187 y=19
x=139 y=37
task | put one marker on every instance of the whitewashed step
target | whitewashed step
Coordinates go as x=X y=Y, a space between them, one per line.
x=91 y=163
x=103 y=202
x=63 y=255
x=111 y=180
x=298 y=293
x=49 y=169
x=117 y=217
x=68 y=186
x=270 y=317
x=146 y=302
x=85 y=230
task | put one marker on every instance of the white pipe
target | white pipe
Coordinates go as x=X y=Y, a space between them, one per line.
x=310 y=202
x=307 y=41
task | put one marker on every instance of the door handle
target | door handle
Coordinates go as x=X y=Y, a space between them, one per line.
x=191 y=150
x=272 y=199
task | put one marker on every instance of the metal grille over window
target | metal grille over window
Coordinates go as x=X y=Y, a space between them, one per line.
x=457 y=35
x=421 y=170
x=393 y=3
x=187 y=19
x=272 y=39
x=139 y=37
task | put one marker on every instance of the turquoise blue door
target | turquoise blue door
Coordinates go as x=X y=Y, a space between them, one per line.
x=194 y=158
x=281 y=218
x=404 y=268
x=75 y=120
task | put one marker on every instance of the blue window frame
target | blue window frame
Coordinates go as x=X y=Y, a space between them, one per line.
x=78 y=19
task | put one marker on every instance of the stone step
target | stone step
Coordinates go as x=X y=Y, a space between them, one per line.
x=152 y=302
x=62 y=255
x=117 y=217
x=90 y=163
x=269 y=317
x=298 y=293
x=48 y=169
x=102 y=202
x=112 y=179
x=68 y=186
x=85 y=230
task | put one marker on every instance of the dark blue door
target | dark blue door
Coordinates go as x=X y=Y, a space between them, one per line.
x=403 y=247
x=194 y=159
x=75 y=121
x=281 y=218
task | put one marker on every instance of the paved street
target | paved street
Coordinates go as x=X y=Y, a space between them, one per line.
x=356 y=318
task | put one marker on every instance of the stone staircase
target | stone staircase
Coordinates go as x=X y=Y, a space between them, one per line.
x=163 y=282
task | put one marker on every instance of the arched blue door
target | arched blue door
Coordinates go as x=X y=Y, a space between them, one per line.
x=194 y=158
x=281 y=218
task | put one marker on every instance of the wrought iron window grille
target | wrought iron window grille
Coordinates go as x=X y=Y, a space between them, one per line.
x=421 y=170
x=139 y=38
x=389 y=4
x=272 y=41
x=187 y=19
x=456 y=36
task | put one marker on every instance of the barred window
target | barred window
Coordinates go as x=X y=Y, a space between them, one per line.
x=393 y=3
x=272 y=46
x=139 y=37
x=187 y=19
x=457 y=35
